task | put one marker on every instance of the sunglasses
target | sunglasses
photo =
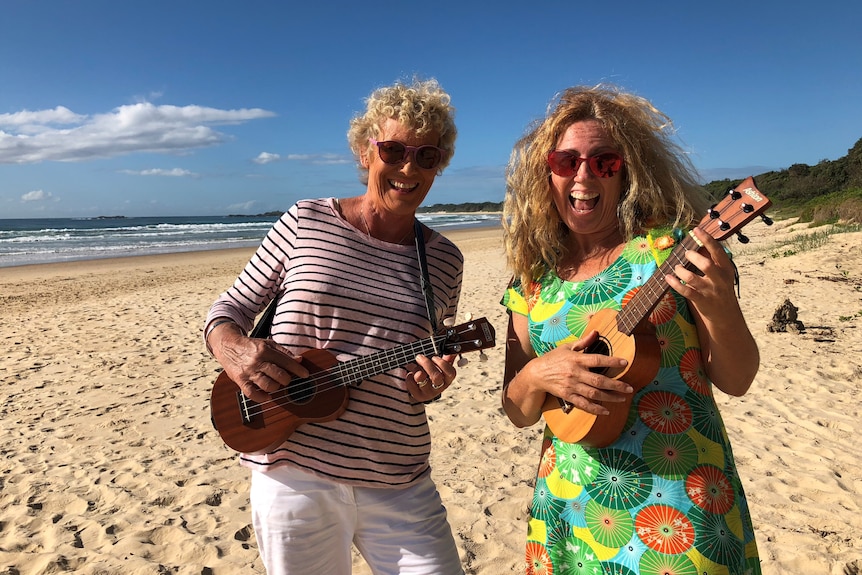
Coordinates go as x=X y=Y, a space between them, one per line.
x=566 y=164
x=392 y=152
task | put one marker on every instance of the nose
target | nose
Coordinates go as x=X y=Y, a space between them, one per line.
x=408 y=164
x=583 y=171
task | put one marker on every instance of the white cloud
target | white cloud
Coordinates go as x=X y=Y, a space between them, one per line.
x=175 y=172
x=243 y=207
x=36 y=196
x=266 y=158
x=29 y=122
x=320 y=159
x=143 y=127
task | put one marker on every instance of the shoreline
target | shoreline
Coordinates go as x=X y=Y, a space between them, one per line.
x=71 y=241
x=455 y=232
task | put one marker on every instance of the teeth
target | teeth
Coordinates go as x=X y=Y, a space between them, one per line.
x=584 y=196
x=401 y=185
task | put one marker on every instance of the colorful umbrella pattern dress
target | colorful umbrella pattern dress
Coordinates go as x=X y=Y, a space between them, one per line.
x=664 y=498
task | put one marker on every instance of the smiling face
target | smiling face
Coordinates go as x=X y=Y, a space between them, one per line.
x=586 y=203
x=398 y=188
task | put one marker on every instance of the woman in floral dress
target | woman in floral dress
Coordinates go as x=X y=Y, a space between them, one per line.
x=598 y=194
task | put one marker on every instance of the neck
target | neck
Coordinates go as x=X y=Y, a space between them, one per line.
x=383 y=225
x=586 y=246
x=585 y=259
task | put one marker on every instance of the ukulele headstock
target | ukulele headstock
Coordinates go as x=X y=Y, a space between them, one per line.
x=472 y=335
x=738 y=207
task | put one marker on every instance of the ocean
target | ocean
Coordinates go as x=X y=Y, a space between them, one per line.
x=52 y=240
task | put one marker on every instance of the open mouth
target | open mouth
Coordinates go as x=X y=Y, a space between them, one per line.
x=402 y=187
x=583 y=202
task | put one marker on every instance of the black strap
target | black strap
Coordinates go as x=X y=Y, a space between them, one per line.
x=424 y=280
x=264 y=326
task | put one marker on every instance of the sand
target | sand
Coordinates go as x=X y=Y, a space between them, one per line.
x=111 y=465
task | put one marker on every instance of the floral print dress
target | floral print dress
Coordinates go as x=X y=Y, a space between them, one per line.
x=665 y=497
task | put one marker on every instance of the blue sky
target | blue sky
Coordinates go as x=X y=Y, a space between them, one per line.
x=121 y=107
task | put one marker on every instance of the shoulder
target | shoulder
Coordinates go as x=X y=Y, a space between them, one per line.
x=314 y=210
x=314 y=204
x=444 y=247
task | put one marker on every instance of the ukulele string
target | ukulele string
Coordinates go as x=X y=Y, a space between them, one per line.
x=329 y=379
x=655 y=287
x=324 y=381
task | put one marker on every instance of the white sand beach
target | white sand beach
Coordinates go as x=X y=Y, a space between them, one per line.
x=111 y=465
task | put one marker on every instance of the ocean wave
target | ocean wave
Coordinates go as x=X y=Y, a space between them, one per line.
x=25 y=242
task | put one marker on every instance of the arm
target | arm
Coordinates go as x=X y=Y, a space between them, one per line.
x=258 y=366
x=522 y=404
x=730 y=353
x=563 y=372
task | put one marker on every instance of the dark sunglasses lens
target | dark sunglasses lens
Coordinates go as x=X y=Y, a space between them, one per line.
x=606 y=165
x=561 y=163
x=391 y=152
x=428 y=157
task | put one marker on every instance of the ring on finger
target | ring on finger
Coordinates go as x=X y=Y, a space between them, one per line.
x=441 y=386
x=422 y=383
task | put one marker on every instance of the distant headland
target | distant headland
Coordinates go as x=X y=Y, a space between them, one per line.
x=467 y=207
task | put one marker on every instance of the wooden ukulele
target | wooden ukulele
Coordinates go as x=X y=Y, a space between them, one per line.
x=250 y=427
x=629 y=334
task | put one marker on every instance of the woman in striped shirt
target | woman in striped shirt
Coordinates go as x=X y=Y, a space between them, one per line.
x=347 y=278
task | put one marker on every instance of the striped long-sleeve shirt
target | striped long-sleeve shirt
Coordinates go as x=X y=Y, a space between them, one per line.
x=351 y=295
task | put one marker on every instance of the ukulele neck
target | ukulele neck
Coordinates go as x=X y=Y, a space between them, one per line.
x=650 y=293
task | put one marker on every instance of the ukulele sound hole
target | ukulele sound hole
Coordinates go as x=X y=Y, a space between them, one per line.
x=603 y=347
x=300 y=391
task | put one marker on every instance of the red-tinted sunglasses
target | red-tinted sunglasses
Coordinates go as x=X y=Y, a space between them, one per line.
x=566 y=164
x=392 y=152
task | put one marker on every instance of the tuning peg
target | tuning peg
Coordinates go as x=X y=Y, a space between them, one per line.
x=468 y=316
x=742 y=239
x=482 y=356
x=462 y=361
x=766 y=219
x=449 y=321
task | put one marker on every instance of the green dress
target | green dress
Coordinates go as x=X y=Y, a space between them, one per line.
x=665 y=497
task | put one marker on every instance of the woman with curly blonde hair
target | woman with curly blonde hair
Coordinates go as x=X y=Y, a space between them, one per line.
x=597 y=195
x=346 y=277
x=658 y=180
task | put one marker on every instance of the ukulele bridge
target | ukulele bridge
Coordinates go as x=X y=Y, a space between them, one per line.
x=247 y=408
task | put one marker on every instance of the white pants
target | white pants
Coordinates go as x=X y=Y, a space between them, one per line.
x=305 y=525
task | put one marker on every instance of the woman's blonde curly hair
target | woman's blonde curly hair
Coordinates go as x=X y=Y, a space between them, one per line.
x=422 y=106
x=659 y=182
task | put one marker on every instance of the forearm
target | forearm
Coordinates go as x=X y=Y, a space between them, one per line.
x=217 y=331
x=731 y=356
x=521 y=401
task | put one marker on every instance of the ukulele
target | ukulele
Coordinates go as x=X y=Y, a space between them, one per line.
x=629 y=334
x=251 y=427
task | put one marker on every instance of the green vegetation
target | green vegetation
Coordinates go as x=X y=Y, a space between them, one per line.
x=827 y=193
x=810 y=241
x=467 y=207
